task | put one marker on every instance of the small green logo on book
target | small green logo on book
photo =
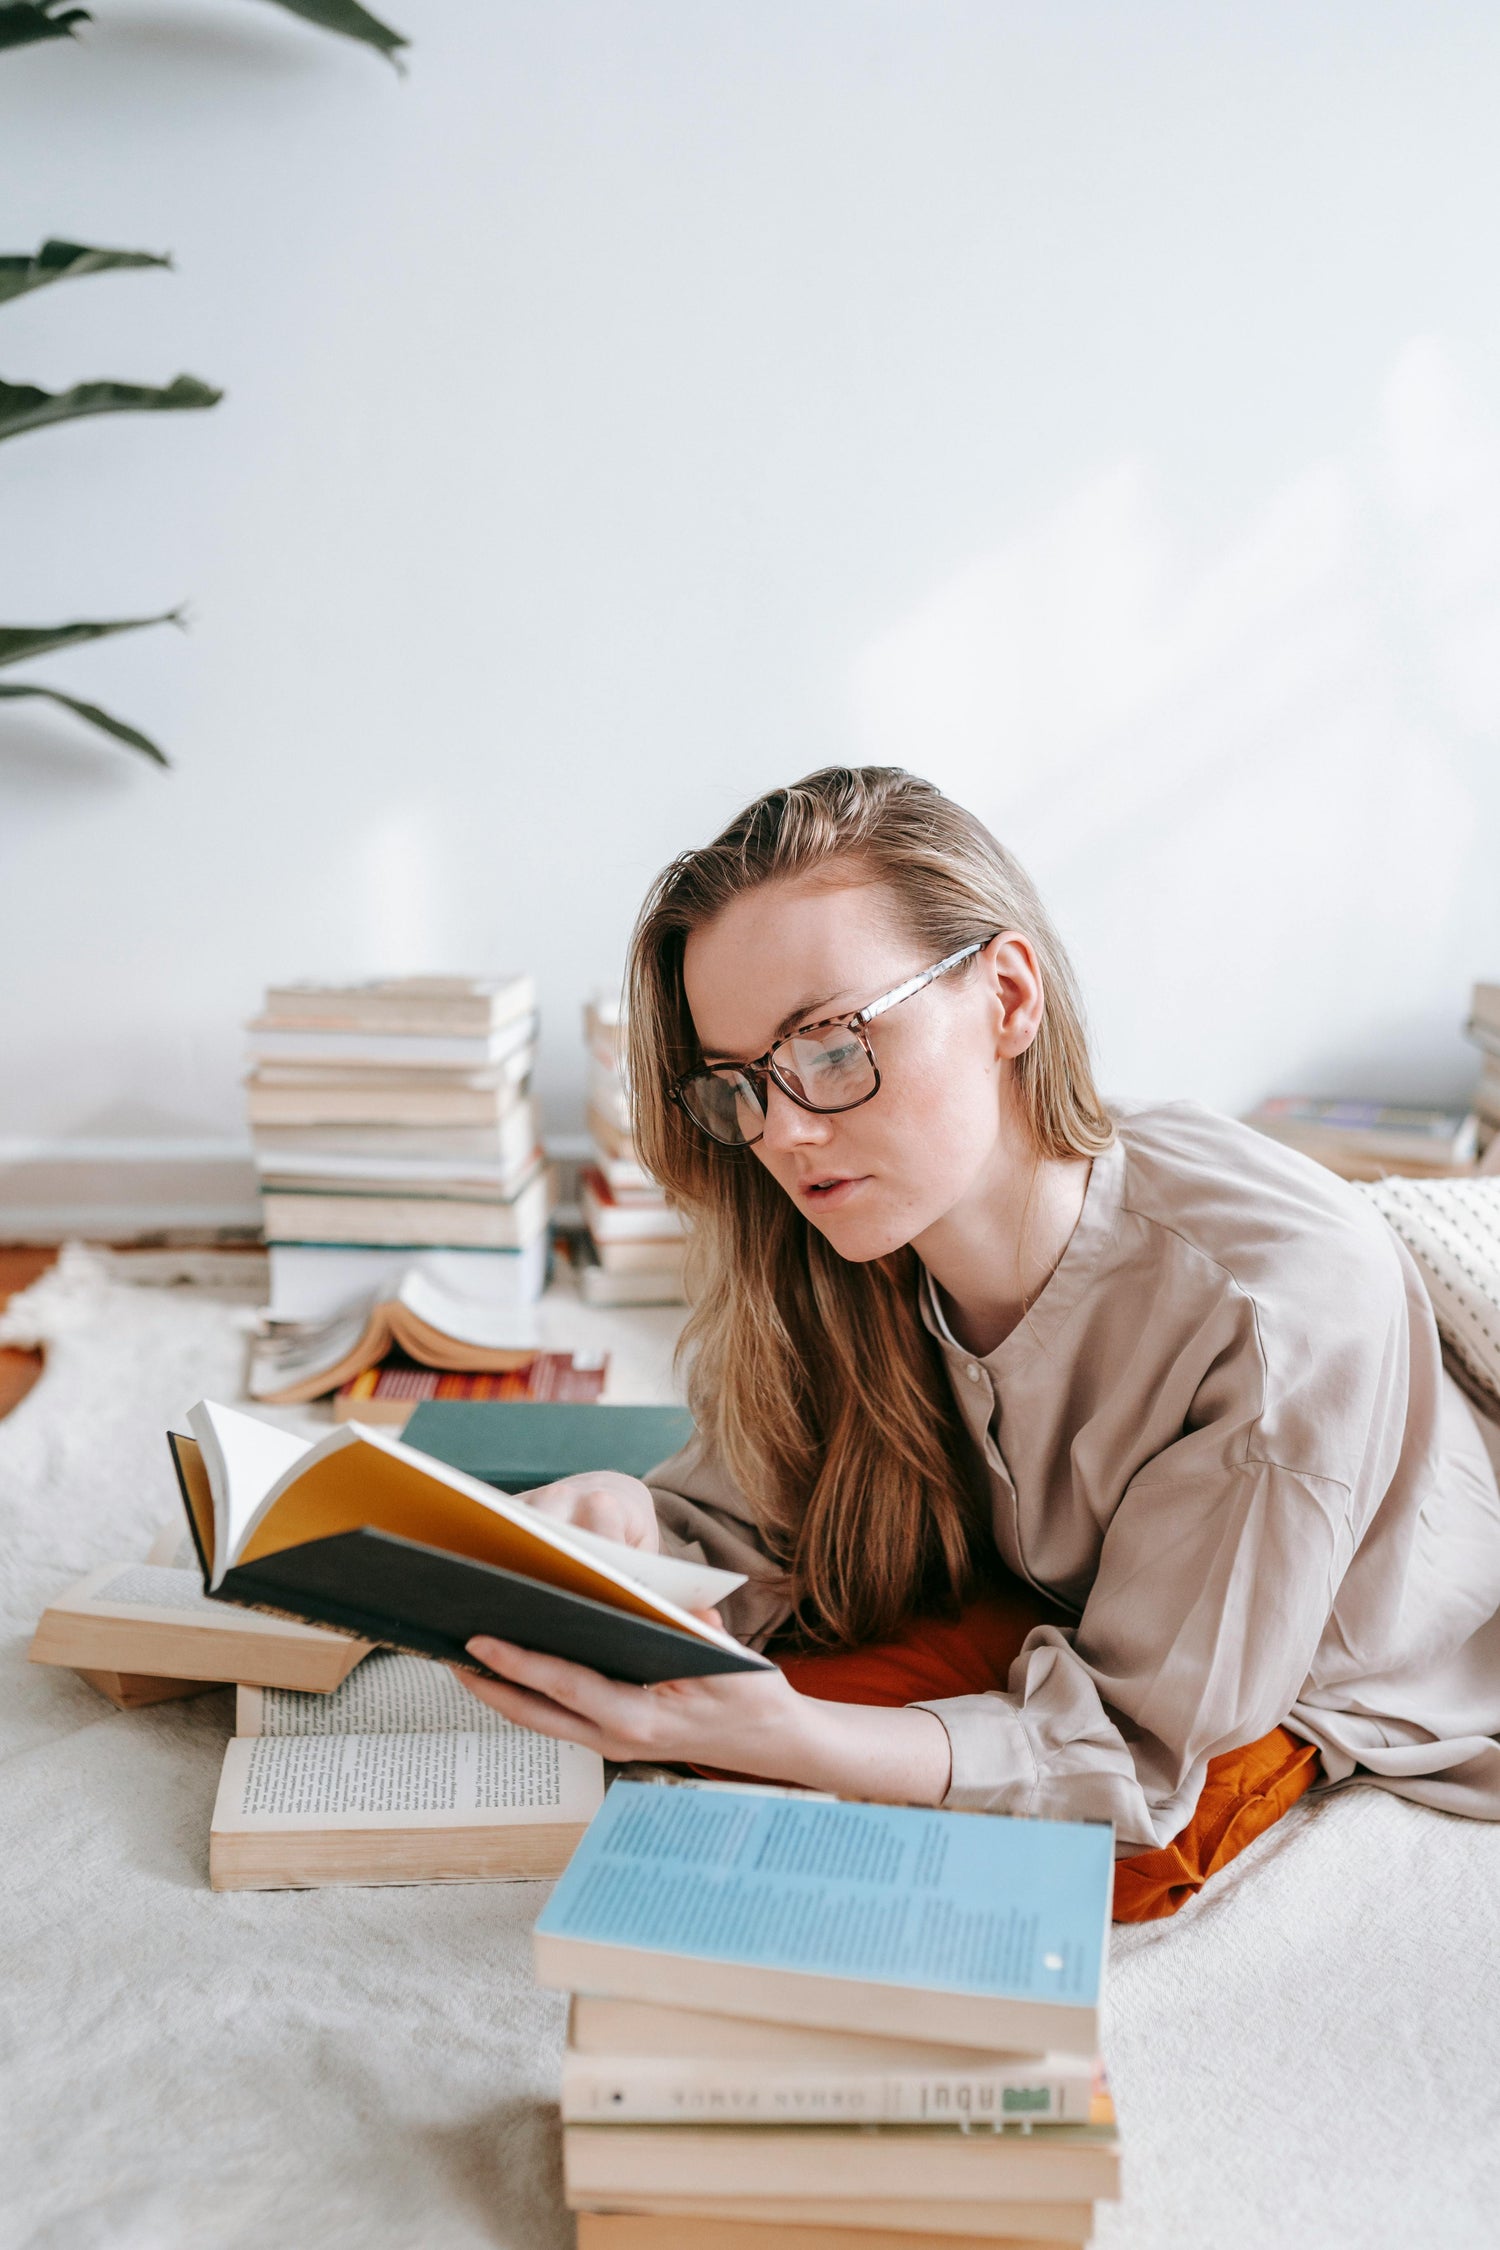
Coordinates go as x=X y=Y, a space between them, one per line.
x=1019 y=2099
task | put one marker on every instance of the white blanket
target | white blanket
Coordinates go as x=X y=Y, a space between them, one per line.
x=1306 y=2056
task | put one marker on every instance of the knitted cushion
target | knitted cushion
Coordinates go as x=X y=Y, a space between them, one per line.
x=1452 y=1229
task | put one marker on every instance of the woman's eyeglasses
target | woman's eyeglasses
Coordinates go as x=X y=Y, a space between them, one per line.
x=824 y=1067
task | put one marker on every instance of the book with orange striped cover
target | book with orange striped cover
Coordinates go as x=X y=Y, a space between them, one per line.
x=388 y=1394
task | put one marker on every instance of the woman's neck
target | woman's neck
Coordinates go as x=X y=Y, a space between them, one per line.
x=994 y=1252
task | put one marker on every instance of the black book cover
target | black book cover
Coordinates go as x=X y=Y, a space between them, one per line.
x=379 y=1587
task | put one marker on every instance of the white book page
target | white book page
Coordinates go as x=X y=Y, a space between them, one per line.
x=290 y=1354
x=390 y=1693
x=501 y=1778
x=247 y=1460
x=154 y=1594
x=489 y=1327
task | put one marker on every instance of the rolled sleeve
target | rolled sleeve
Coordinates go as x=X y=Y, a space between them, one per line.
x=702 y=1514
x=1197 y=1636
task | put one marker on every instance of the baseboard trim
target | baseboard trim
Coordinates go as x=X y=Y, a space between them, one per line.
x=145 y=1190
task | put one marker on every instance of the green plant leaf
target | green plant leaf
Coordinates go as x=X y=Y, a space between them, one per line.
x=24 y=407
x=348 y=17
x=18 y=642
x=64 y=261
x=10 y=691
x=23 y=22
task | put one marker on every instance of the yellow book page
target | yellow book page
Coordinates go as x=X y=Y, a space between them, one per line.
x=361 y=1487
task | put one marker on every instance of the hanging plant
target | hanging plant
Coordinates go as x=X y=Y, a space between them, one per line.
x=23 y=408
x=24 y=22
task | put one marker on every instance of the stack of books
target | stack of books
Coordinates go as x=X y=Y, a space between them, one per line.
x=1484 y=1030
x=1371 y=1140
x=393 y=1127
x=632 y=1245
x=800 y=2024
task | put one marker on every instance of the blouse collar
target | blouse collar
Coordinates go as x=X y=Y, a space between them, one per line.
x=1075 y=1270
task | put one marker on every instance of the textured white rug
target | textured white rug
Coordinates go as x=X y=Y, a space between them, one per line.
x=1305 y=2057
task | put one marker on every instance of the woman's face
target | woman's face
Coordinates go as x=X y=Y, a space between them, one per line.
x=943 y=1125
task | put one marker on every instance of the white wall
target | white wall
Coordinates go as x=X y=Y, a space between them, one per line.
x=1095 y=407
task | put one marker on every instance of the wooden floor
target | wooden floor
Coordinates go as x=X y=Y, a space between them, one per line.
x=19 y=1370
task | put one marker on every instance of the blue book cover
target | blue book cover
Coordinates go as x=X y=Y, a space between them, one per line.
x=978 y=1904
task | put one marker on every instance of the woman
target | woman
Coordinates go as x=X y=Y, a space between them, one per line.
x=956 y=1326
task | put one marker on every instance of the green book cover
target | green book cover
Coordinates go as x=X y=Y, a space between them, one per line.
x=516 y=1444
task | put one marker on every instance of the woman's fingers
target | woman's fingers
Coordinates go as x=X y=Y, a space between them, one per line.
x=524 y=1709
x=622 y=1712
x=600 y=1500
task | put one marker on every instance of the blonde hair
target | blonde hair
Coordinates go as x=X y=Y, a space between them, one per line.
x=812 y=1377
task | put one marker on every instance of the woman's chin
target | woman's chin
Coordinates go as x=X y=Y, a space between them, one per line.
x=860 y=1236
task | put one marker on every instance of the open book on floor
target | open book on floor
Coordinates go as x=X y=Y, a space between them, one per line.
x=399 y=1776
x=360 y=1532
x=145 y=1633
x=293 y=1361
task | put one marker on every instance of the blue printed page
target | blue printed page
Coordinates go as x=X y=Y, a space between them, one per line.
x=889 y=1894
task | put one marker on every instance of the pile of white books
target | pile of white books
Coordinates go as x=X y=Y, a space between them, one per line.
x=631 y=1252
x=1362 y=1140
x=394 y=1129
x=800 y=2024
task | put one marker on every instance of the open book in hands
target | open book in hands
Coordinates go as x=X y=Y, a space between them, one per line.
x=363 y=1534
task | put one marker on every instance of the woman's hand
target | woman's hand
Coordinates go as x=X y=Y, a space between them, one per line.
x=601 y=1500
x=747 y=1722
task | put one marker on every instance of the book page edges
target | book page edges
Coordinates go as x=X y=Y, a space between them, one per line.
x=969 y=2225
x=1065 y=2162
x=966 y=2019
x=134 y=1691
x=602 y=2028
x=282 y=1651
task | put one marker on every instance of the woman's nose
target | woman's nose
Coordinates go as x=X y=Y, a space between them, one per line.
x=788 y=1125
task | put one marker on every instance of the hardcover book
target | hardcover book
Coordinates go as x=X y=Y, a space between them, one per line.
x=518 y=1445
x=361 y=1533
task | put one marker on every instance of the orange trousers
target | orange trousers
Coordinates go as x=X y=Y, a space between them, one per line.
x=1245 y=1791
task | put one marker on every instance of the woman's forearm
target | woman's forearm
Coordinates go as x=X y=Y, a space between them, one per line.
x=859 y=1750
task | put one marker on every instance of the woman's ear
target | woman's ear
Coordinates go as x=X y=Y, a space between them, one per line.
x=1016 y=980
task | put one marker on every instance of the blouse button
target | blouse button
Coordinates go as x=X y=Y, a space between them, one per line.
x=973 y=1372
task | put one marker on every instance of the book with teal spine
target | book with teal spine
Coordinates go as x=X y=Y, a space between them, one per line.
x=977 y=1928
x=519 y=1444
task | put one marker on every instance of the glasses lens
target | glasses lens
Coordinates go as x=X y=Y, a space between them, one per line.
x=726 y=1105
x=831 y=1070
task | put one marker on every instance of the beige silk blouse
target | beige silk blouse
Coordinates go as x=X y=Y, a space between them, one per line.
x=1223 y=1438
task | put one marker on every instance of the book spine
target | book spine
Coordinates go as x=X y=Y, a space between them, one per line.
x=645 y=2090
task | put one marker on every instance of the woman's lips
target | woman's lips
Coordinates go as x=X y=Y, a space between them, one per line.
x=828 y=1195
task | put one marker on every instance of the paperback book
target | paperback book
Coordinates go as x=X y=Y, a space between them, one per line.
x=143 y=1632
x=399 y=1776
x=889 y=1919
x=292 y=1361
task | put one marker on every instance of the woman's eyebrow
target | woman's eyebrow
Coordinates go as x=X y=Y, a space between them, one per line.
x=806 y=1011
